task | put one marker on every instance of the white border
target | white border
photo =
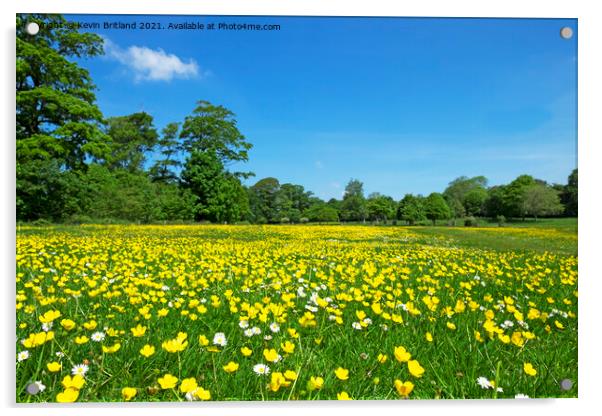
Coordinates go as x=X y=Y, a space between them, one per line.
x=590 y=136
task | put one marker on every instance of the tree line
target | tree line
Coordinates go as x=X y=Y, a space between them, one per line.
x=76 y=165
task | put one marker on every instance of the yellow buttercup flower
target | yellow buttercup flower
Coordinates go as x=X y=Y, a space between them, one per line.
x=202 y=394
x=230 y=367
x=75 y=382
x=69 y=395
x=288 y=347
x=53 y=367
x=278 y=380
x=290 y=375
x=147 y=350
x=342 y=373
x=415 y=368
x=187 y=385
x=90 y=325
x=49 y=316
x=68 y=324
x=138 y=331
x=271 y=355
x=246 y=351
x=529 y=369
x=403 y=388
x=343 y=396
x=81 y=339
x=315 y=383
x=401 y=354
x=175 y=345
x=128 y=393
x=112 y=349
x=168 y=381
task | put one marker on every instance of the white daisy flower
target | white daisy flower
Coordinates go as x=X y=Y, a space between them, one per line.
x=249 y=332
x=23 y=355
x=367 y=321
x=507 y=324
x=80 y=369
x=274 y=327
x=261 y=369
x=311 y=308
x=521 y=396
x=484 y=383
x=41 y=387
x=98 y=336
x=301 y=292
x=267 y=337
x=59 y=354
x=220 y=339
x=243 y=324
x=191 y=395
x=356 y=325
x=46 y=326
x=256 y=330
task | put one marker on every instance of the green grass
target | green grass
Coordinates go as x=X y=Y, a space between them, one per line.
x=115 y=271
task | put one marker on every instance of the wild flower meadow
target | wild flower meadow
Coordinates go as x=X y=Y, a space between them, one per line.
x=177 y=313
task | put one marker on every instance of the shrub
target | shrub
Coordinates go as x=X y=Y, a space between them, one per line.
x=80 y=219
x=470 y=222
x=501 y=220
x=41 y=222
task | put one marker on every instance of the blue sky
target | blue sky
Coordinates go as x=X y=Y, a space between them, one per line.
x=403 y=104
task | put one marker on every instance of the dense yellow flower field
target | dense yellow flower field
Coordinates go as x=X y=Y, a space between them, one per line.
x=173 y=313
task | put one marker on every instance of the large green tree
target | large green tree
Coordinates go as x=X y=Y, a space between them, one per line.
x=436 y=208
x=570 y=195
x=220 y=197
x=474 y=201
x=213 y=128
x=380 y=207
x=132 y=137
x=321 y=212
x=56 y=114
x=514 y=195
x=166 y=164
x=263 y=200
x=466 y=195
x=540 y=200
x=58 y=124
x=411 y=209
x=353 y=206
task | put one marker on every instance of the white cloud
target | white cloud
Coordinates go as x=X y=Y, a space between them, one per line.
x=151 y=64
